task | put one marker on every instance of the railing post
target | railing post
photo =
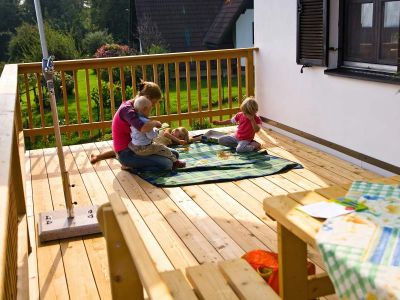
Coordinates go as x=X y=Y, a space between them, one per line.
x=250 y=73
x=124 y=278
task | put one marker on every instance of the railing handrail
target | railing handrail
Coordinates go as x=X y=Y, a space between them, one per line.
x=8 y=134
x=63 y=65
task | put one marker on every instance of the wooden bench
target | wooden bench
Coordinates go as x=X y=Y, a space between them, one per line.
x=132 y=269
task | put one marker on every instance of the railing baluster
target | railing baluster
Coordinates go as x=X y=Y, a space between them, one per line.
x=209 y=94
x=77 y=100
x=219 y=84
x=155 y=79
x=65 y=99
x=229 y=71
x=41 y=102
x=133 y=75
x=249 y=74
x=111 y=82
x=28 y=104
x=239 y=80
x=89 y=100
x=198 y=85
x=188 y=91
x=144 y=73
x=122 y=79
x=166 y=80
x=178 y=91
x=101 y=108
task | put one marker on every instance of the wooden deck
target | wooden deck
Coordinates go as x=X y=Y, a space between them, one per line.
x=180 y=226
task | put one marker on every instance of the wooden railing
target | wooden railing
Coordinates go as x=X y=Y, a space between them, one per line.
x=197 y=86
x=13 y=222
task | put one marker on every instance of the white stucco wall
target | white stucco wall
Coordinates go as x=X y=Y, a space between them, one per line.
x=361 y=115
x=244 y=29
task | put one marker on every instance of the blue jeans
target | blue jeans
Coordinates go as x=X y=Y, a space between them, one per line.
x=145 y=163
x=231 y=141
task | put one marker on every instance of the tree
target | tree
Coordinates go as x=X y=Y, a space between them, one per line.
x=74 y=18
x=9 y=21
x=25 y=44
x=94 y=40
x=150 y=37
x=113 y=16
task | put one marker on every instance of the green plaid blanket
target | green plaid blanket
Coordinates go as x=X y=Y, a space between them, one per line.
x=207 y=162
x=362 y=250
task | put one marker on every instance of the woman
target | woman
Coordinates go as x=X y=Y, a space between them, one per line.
x=124 y=118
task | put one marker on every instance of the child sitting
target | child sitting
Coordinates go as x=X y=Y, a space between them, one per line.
x=249 y=124
x=142 y=142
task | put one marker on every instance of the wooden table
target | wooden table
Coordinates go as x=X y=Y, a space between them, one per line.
x=296 y=230
x=132 y=269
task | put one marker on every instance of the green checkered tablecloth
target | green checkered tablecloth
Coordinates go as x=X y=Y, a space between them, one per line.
x=362 y=250
x=207 y=162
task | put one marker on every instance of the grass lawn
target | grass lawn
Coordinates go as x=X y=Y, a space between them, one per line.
x=74 y=138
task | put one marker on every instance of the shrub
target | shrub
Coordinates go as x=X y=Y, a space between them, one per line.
x=197 y=125
x=25 y=44
x=69 y=84
x=94 y=40
x=113 y=50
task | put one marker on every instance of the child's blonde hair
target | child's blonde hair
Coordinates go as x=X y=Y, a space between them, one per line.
x=249 y=106
x=183 y=133
x=142 y=103
x=150 y=90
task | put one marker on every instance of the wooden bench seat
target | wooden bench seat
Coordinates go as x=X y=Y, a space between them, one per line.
x=132 y=269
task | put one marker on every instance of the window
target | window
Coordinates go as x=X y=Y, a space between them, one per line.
x=371 y=32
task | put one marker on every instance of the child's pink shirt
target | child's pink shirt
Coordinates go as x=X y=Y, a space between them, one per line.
x=245 y=131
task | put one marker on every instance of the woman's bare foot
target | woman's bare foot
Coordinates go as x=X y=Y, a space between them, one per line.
x=94 y=158
x=125 y=168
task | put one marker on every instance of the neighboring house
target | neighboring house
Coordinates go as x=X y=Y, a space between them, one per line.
x=189 y=25
x=330 y=72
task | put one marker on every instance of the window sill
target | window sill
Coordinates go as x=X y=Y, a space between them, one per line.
x=369 y=75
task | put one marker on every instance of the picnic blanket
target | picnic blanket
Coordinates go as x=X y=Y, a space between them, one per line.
x=362 y=250
x=208 y=162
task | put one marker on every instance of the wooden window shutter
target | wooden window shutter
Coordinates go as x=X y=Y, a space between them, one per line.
x=312 y=32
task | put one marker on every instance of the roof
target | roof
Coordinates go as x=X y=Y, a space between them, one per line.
x=182 y=23
x=224 y=21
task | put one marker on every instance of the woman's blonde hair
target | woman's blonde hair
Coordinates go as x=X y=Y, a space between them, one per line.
x=249 y=106
x=150 y=90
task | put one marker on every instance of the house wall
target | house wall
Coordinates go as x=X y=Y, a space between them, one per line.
x=360 y=115
x=244 y=31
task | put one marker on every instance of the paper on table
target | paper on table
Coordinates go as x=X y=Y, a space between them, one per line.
x=325 y=210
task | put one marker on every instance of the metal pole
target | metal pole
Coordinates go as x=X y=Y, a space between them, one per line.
x=48 y=70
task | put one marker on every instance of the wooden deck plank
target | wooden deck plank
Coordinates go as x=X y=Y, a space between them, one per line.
x=32 y=258
x=221 y=241
x=243 y=237
x=187 y=231
x=201 y=223
x=110 y=184
x=52 y=279
x=224 y=244
x=328 y=157
x=76 y=263
x=253 y=224
x=168 y=239
x=95 y=246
